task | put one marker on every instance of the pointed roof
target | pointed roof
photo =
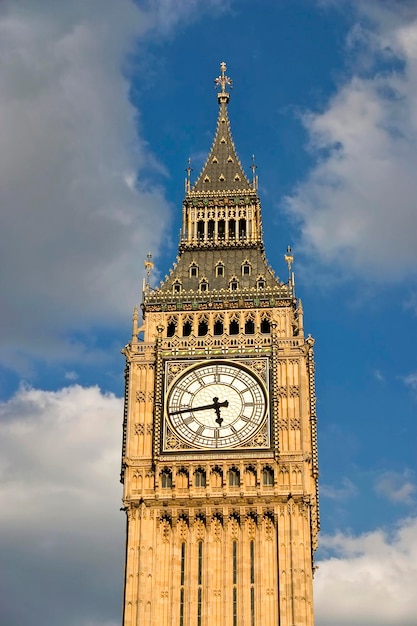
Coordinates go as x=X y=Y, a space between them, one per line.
x=222 y=170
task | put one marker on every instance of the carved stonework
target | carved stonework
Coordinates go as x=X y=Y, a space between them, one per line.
x=165 y=530
x=173 y=442
x=269 y=530
x=139 y=429
x=173 y=369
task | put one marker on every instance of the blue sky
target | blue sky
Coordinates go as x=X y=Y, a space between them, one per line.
x=101 y=105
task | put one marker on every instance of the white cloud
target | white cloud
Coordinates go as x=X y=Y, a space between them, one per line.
x=379 y=376
x=341 y=492
x=370 y=580
x=411 y=380
x=77 y=209
x=72 y=228
x=356 y=208
x=61 y=531
x=397 y=487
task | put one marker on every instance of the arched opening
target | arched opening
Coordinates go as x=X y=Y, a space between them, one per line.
x=216 y=479
x=234 y=327
x=200 y=478
x=166 y=479
x=218 y=327
x=234 y=477
x=232 y=229
x=242 y=228
x=186 y=329
x=171 y=328
x=249 y=327
x=265 y=326
x=221 y=227
x=268 y=476
x=210 y=229
x=202 y=328
x=200 y=229
x=182 y=479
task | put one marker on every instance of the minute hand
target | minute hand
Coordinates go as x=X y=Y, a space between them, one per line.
x=214 y=406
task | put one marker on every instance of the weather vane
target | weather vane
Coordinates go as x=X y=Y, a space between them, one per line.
x=223 y=80
x=188 y=169
x=289 y=260
x=148 y=266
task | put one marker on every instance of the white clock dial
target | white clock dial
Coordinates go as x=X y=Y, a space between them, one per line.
x=216 y=405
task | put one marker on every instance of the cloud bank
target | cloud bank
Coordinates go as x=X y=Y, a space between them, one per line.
x=356 y=209
x=369 y=580
x=61 y=531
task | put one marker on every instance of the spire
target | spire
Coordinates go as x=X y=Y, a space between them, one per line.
x=222 y=170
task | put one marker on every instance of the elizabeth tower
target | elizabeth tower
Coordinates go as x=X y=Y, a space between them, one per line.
x=219 y=460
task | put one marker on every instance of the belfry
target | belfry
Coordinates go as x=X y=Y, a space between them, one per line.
x=219 y=460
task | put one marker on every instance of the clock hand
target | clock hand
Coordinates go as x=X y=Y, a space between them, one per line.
x=216 y=404
x=216 y=407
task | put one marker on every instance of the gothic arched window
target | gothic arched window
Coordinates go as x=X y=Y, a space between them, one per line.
x=234 y=477
x=200 y=478
x=219 y=269
x=268 y=476
x=193 y=270
x=249 y=326
x=218 y=328
x=234 y=327
x=200 y=229
x=246 y=268
x=166 y=479
x=265 y=326
x=187 y=328
x=202 y=327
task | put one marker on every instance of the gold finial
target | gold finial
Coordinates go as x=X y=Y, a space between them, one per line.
x=289 y=258
x=148 y=266
x=254 y=167
x=188 y=169
x=222 y=81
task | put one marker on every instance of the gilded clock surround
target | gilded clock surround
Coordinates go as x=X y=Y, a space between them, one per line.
x=220 y=535
x=239 y=387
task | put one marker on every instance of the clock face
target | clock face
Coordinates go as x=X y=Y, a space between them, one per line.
x=216 y=405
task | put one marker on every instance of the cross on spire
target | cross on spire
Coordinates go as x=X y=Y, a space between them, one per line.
x=222 y=81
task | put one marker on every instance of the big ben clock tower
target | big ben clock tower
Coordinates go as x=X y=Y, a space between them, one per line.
x=219 y=460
